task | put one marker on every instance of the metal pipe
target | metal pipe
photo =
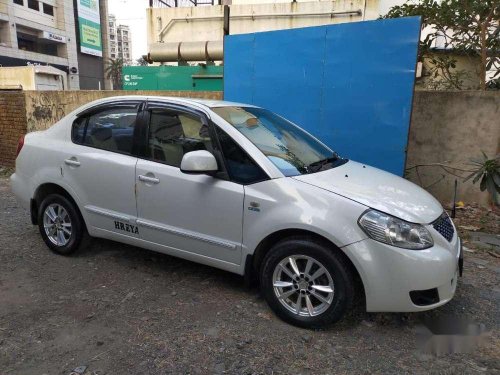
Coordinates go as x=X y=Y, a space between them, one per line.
x=253 y=16
x=186 y=51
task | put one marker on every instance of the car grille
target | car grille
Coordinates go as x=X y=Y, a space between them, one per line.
x=444 y=226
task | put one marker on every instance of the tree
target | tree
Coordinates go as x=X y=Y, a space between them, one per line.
x=141 y=61
x=488 y=172
x=468 y=26
x=114 y=72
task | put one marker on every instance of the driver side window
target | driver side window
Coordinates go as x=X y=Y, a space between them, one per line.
x=173 y=134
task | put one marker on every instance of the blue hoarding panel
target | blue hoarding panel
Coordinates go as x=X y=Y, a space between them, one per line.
x=351 y=85
x=242 y=51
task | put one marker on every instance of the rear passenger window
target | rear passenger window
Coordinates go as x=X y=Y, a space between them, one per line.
x=110 y=129
x=173 y=134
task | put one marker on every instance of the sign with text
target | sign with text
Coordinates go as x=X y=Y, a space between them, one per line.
x=54 y=37
x=90 y=27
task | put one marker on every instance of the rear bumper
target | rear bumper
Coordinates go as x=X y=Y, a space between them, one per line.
x=390 y=274
x=21 y=189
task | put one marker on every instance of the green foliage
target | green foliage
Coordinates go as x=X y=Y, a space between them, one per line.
x=468 y=26
x=488 y=173
x=443 y=75
x=114 y=72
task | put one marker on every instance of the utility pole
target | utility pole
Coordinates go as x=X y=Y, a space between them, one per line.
x=103 y=11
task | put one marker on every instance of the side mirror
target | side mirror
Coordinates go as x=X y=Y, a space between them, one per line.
x=199 y=162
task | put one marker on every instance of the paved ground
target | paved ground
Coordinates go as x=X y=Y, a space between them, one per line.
x=121 y=310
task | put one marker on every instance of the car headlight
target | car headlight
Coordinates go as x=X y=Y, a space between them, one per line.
x=396 y=232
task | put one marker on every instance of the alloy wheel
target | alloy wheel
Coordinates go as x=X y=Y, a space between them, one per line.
x=303 y=285
x=57 y=224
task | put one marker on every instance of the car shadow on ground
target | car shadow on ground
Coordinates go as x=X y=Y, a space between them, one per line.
x=160 y=264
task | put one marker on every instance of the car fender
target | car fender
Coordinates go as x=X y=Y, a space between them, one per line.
x=283 y=204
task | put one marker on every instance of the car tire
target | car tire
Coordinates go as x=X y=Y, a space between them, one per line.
x=328 y=271
x=61 y=225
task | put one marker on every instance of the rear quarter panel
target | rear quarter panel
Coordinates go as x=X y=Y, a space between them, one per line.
x=40 y=161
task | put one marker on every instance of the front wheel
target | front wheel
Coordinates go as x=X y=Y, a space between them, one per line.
x=306 y=283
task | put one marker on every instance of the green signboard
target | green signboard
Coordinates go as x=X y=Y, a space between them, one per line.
x=89 y=27
x=188 y=78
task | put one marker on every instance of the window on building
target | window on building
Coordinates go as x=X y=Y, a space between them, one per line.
x=48 y=49
x=48 y=9
x=19 y=2
x=26 y=42
x=34 y=4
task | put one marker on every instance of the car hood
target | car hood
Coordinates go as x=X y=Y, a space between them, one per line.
x=377 y=189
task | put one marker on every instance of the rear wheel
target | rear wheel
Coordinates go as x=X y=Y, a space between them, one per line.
x=60 y=224
x=306 y=283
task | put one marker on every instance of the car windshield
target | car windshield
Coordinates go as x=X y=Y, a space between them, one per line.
x=288 y=147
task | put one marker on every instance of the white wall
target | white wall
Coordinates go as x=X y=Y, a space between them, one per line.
x=205 y=23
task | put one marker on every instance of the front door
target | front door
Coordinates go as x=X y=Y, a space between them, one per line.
x=193 y=213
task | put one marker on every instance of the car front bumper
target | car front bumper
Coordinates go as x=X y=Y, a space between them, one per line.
x=389 y=274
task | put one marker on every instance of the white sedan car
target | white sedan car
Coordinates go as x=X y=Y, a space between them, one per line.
x=240 y=188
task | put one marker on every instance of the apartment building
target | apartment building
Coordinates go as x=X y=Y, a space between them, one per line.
x=120 y=41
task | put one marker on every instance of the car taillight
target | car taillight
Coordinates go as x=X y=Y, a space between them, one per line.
x=20 y=146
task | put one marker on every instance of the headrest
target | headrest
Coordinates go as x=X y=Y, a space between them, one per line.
x=102 y=134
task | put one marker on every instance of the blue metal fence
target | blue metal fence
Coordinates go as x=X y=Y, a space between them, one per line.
x=350 y=84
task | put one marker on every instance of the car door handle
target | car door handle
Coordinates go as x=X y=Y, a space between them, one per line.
x=149 y=179
x=72 y=162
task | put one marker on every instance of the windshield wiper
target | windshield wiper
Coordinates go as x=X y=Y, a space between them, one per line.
x=332 y=162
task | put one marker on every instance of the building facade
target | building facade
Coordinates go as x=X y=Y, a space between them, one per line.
x=120 y=41
x=171 y=23
x=34 y=32
x=65 y=34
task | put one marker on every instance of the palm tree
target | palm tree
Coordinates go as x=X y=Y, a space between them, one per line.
x=114 y=72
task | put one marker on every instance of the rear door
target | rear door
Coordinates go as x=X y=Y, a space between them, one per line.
x=100 y=166
x=193 y=213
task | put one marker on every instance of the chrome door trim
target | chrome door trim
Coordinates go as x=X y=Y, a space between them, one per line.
x=111 y=214
x=185 y=233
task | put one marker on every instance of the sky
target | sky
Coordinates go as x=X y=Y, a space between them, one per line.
x=133 y=14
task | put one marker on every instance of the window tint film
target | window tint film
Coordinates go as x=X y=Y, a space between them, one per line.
x=173 y=134
x=241 y=168
x=110 y=129
x=288 y=147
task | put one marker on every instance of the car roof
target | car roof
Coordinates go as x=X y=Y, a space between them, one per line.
x=208 y=103
x=218 y=103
